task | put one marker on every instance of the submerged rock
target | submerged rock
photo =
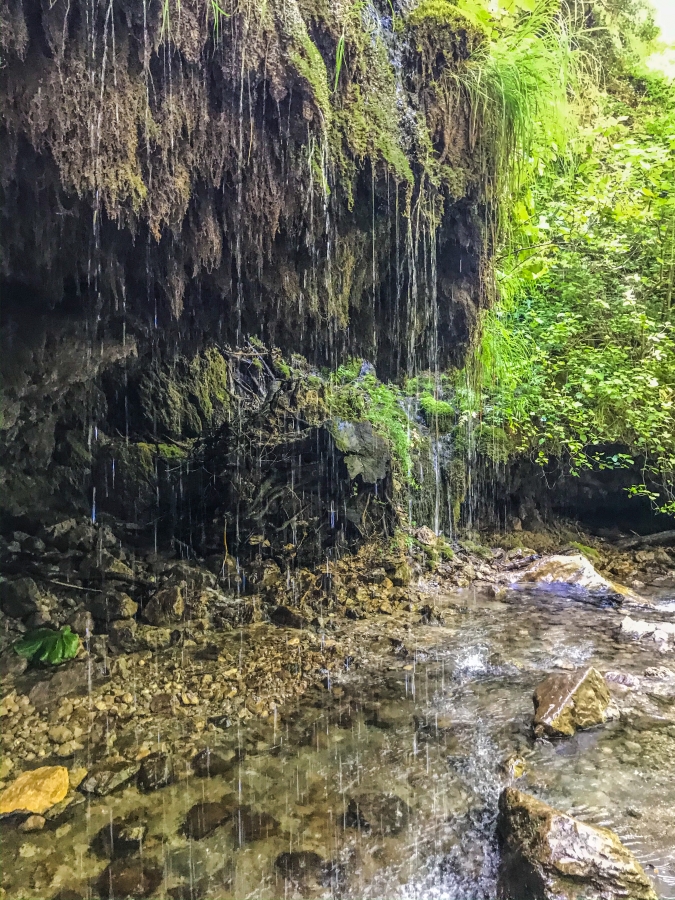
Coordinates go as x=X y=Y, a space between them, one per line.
x=575 y=572
x=659 y=632
x=299 y=863
x=35 y=791
x=128 y=878
x=377 y=813
x=251 y=825
x=207 y=763
x=108 y=776
x=156 y=772
x=547 y=855
x=204 y=818
x=565 y=702
x=120 y=838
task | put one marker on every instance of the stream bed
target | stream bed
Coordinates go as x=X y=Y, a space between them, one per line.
x=386 y=783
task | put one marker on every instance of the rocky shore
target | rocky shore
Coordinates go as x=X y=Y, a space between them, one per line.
x=174 y=654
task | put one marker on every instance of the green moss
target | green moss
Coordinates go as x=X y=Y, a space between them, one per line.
x=588 y=552
x=437 y=16
x=282 y=368
x=355 y=397
x=494 y=443
x=186 y=397
x=476 y=549
x=446 y=551
x=309 y=63
x=437 y=413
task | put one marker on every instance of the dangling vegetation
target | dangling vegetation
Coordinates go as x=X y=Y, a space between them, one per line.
x=577 y=361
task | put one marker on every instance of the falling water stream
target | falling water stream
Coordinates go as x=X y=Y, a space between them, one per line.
x=415 y=738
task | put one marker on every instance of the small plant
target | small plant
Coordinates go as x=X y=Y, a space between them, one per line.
x=48 y=646
x=339 y=58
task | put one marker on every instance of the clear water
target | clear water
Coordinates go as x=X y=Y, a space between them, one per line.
x=431 y=727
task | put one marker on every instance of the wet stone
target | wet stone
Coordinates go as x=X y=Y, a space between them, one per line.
x=207 y=762
x=249 y=825
x=20 y=598
x=300 y=864
x=286 y=618
x=128 y=878
x=380 y=814
x=547 y=855
x=166 y=607
x=35 y=791
x=11 y=664
x=563 y=703
x=113 y=605
x=70 y=680
x=156 y=772
x=120 y=838
x=204 y=818
x=108 y=777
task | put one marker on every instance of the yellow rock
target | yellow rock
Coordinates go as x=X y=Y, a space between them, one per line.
x=76 y=776
x=36 y=791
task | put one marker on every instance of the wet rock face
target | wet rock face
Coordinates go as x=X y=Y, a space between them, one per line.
x=565 y=702
x=547 y=855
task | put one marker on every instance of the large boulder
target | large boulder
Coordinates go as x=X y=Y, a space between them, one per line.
x=35 y=791
x=20 y=598
x=547 y=855
x=166 y=607
x=565 y=702
x=113 y=605
x=577 y=574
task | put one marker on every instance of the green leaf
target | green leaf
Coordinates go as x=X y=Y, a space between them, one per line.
x=47 y=645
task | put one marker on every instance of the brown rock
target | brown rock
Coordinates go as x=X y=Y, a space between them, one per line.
x=35 y=791
x=250 y=825
x=565 y=702
x=166 y=607
x=108 y=776
x=122 y=633
x=204 y=818
x=32 y=823
x=129 y=878
x=20 y=598
x=547 y=855
x=113 y=605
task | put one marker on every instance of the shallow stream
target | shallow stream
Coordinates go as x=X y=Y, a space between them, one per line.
x=429 y=720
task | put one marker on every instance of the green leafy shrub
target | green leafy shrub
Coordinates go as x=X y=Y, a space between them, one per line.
x=48 y=646
x=579 y=356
